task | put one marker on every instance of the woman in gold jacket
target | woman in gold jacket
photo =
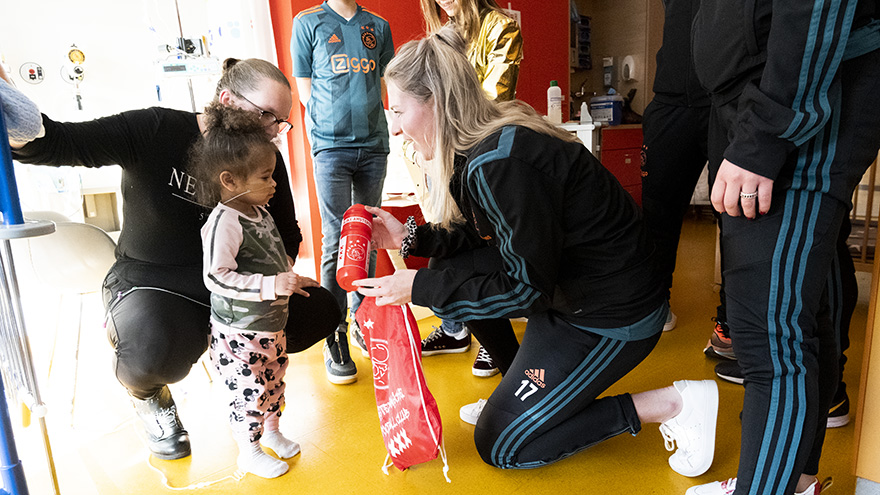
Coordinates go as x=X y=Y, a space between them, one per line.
x=495 y=42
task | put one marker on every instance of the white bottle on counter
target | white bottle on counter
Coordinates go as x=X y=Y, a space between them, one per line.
x=554 y=103
x=586 y=118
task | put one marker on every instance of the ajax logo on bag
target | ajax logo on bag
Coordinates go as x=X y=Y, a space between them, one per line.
x=408 y=415
x=379 y=355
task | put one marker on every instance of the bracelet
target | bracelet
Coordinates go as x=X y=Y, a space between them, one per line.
x=410 y=238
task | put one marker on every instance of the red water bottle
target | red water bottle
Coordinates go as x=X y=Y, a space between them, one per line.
x=354 y=247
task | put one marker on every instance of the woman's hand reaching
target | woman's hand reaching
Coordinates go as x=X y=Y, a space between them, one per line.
x=394 y=289
x=388 y=232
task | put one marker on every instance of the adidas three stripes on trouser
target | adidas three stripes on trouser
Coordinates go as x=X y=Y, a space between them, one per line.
x=778 y=281
x=546 y=406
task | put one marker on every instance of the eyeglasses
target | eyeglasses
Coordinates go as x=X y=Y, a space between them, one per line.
x=269 y=118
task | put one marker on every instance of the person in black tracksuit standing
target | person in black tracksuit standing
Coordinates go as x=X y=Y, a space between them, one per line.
x=795 y=88
x=674 y=151
x=572 y=255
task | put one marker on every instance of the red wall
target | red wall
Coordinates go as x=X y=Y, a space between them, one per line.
x=545 y=28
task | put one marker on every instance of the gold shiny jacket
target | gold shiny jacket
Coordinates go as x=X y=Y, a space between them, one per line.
x=496 y=54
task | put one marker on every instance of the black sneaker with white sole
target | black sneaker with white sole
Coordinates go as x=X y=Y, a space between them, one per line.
x=838 y=413
x=437 y=342
x=729 y=371
x=340 y=368
x=484 y=365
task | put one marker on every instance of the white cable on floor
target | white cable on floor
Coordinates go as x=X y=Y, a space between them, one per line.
x=237 y=476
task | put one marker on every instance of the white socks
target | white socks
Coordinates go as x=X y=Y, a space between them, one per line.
x=461 y=334
x=282 y=447
x=252 y=459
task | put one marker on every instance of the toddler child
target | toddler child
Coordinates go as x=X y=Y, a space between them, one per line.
x=250 y=279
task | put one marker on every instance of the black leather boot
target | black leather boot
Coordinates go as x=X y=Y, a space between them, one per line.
x=166 y=437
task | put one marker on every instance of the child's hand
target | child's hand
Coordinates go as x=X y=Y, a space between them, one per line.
x=289 y=283
x=284 y=283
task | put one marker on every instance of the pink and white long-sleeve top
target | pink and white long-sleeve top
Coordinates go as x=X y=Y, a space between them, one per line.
x=242 y=256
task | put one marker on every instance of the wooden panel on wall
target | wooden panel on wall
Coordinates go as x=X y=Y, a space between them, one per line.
x=621 y=28
x=654 y=38
x=867 y=410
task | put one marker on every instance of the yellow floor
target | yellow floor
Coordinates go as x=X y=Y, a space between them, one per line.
x=97 y=449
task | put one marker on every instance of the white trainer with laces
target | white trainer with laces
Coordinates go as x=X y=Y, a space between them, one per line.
x=714 y=488
x=693 y=430
x=471 y=412
x=727 y=487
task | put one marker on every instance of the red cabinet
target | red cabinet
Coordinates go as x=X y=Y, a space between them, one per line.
x=621 y=153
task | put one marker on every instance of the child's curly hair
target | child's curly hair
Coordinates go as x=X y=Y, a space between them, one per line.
x=234 y=141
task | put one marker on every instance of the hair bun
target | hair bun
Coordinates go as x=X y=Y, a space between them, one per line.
x=229 y=119
x=229 y=62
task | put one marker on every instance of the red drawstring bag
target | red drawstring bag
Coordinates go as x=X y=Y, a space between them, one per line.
x=408 y=414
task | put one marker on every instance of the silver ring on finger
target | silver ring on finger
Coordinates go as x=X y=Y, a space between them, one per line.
x=750 y=195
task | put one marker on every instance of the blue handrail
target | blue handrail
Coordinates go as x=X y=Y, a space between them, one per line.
x=11 y=470
x=10 y=205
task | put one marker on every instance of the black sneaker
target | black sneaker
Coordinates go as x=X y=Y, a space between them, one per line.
x=484 y=365
x=729 y=371
x=838 y=415
x=437 y=342
x=357 y=338
x=340 y=368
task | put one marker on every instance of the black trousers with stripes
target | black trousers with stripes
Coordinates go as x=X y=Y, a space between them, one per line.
x=780 y=285
x=546 y=406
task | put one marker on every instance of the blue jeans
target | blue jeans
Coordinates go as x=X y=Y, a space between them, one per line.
x=343 y=177
x=451 y=327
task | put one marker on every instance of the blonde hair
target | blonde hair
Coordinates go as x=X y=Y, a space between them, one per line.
x=435 y=71
x=468 y=20
x=247 y=76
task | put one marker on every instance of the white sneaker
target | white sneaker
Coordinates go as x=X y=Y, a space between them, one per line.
x=816 y=487
x=471 y=412
x=693 y=430
x=727 y=487
x=671 y=320
x=714 y=488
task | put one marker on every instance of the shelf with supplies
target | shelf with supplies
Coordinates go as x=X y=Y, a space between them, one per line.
x=581 y=56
